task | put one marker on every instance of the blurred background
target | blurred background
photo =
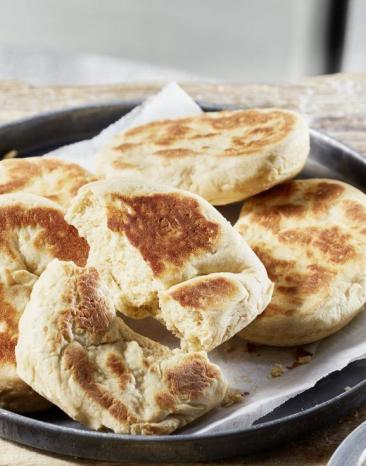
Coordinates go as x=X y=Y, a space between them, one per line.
x=93 y=41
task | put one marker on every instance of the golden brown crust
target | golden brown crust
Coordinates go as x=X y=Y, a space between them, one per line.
x=83 y=371
x=205 y=293
x=64 y=325
x=165 y=401
x=55 y=234
x=355 y=211
x=330 y=241
x=281 y=191
x=146 y=220
x=92 y=311
x=54 y=179
x=273 y=310
x=8 y=335
x=299 y=286
x=271 y=218
x=320 y=194
x=317 y=199
x=258 y=130
x=190 y=379
x=122 y=165
x=323 y=195
x=118 y=368
x=275 y=267
x=294 y=286
x=175 y=152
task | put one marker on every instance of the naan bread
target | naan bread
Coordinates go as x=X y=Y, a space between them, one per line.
x=54 y=179
x=77 y=353
x=222 y=156
x=32 y=233
x=168 y=253
x=311 y=236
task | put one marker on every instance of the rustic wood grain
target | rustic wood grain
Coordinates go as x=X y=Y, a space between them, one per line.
x=335 y=104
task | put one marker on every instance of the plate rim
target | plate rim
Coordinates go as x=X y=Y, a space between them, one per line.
x=26 y=421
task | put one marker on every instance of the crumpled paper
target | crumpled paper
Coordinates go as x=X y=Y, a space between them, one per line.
x=248 y=368
x=170 y=102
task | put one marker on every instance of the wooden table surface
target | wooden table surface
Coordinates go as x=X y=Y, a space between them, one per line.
x=335 y=104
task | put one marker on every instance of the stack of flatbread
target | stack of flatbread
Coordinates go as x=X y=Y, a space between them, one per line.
x=143 y=238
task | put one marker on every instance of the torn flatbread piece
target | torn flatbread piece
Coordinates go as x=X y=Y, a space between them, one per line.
x=169 y=254
x=75 y=351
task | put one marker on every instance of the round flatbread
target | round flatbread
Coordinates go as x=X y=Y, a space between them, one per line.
x=54 y=179
x=222 y=156
x=168 y=253
x=311 y=236
x=32 y=233
x=77 y=353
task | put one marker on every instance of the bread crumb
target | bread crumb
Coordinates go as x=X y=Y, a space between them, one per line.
x=232 y=397
x=277 y=370
x=10 y=155
x=301 y=357
x=304 y=360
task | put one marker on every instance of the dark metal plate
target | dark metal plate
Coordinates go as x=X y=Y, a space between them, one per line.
x=352 y=451
x=325 y=403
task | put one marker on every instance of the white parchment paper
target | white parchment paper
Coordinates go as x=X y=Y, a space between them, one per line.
x=170 y=102
x=248 y=371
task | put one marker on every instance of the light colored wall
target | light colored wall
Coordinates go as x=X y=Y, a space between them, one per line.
x=355 y=50
x=251 y=40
